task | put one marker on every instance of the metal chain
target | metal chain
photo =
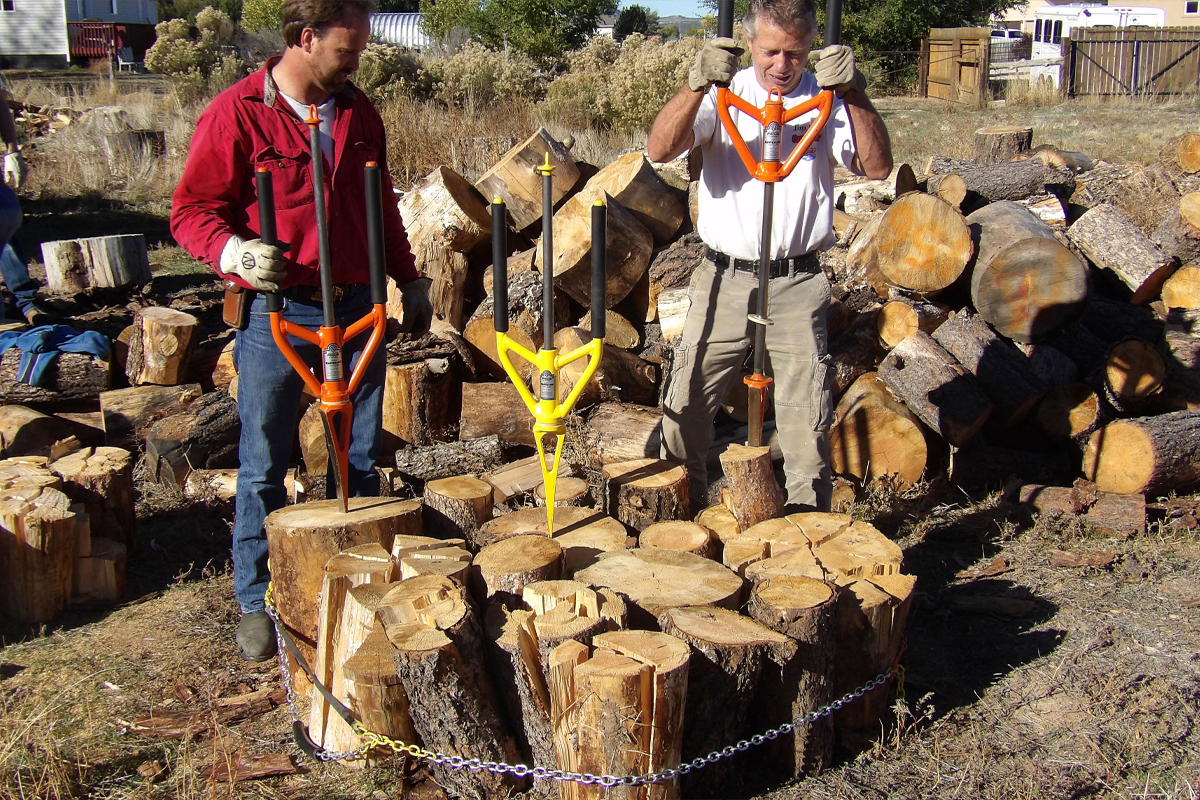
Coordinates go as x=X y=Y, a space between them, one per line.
x=372 y=740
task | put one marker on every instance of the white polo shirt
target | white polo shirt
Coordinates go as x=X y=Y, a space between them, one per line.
x=731 y=201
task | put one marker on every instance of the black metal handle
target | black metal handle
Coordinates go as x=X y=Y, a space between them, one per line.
x=324 y=255
x=266 y=224
x=833 y=22
x=547 y=260
x=375 y=258
x=499 y=267
x=599 y=262
x=725 y=18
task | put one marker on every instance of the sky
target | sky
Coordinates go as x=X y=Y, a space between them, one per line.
x=668 y=8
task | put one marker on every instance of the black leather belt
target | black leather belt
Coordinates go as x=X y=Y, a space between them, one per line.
x=779 y=268
x=312 y=294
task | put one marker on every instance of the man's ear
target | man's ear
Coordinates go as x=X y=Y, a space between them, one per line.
x=307 y=37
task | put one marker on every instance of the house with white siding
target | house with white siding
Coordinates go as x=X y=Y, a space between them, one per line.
x=54 y=32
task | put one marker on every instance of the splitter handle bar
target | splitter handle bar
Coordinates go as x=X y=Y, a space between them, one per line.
x=375 y=257
x=499 y=267
x=266 y=223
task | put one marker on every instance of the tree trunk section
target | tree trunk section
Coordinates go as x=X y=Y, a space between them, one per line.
x=1014 y=180
x=950 y=188
x=502 y=570
x=524 y=321
x=72 y=376
x=1147 y=197
x=582 y=533
x=514 y=180
x=632 y=182
x=621 y=376
x=495 y=409
x=644 y=491
x=204 y=435
x=1179 y=233
x=874 y=434
x=1181 y=153
x=998 y=144
x=1115 y=244
x=623 y=432
x=25 y=432
x=129 y=414
x=160 y=349
x=1145 y=455
x=922 y=243
x=618 y=331
x=1001 y=369
x=1071 y=411
x=754 y=494
x=417 y=401
x=457 y=507
x=1182 y=290
x=1133 y=372
x=38 y=543
x=446 y=460
x=686 y=537
x=73 y=265
x=902 y=316
x=102 y=479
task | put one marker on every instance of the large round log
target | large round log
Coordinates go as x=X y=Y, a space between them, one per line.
x=1014 y=180
x=1115 y=244
x=501 y=570
x=567 y=492
x=457 y=507
x=632 y=182
x=1001 y=369
x=874 y=434
x=515 y=180
x=647 y=490
x=1145 y=455
x=998 y=144
x=73 y=265
x=922 y=244
x=687 y=537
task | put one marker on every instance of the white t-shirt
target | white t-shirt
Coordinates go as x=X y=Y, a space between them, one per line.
x=325 y=114
x=731 y=200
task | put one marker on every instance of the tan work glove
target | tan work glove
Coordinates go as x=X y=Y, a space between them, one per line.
x=258 y=264
x=717 y=62
x=15 y=169
x=835 y=70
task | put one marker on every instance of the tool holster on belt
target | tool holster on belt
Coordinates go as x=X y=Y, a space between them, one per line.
x=236 y=309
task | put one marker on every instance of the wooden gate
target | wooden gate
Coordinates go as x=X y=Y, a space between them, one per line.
x=955 y=63
x=1131 y=61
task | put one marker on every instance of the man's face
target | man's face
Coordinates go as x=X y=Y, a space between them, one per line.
x=333 y=55
x=779 y=56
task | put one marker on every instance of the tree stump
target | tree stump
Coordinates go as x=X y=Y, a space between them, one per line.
x=160 y=348
x=922 y=243
x=567 y=492
x=25 y=432
x=1024 y=282
x=621 y=375
x=73 y=265
x=514 y=180
x=753 y=493
x=1071 y=411
x=457 y=507
x=1115 y=244
x=1179 y=233
x=874 y=434
x=936 y=388
x=102 y=479
x=902 y=316
x=1145 y=455
x=652 y=581
x=644 y=491
x=1000 y=368
x=632 y=182
x=583 y=533
x=1181 y=153
x=495 y=409
x=129 y=414
x=686 y=537
x=997 y=144
x=501 y=570
x=37 y=553
x=1182 y=290
x=205 y=435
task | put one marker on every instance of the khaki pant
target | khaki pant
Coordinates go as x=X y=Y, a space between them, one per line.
x=716 y=339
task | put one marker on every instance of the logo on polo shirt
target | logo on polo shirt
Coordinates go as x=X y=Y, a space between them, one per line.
x=798 y=132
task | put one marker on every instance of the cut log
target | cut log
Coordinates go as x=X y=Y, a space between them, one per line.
x=644 y=491
x=628 y=244
x=1133 y=372
x=1071 y=411
x=633 y=183
x=1105 y=322
x=874 y=434
x=1115 y=244
x=804 y=610
x=622 y=432
x=936 y=388
x=222 y=484
x=101 y=478
x=582 y=533
x=524 y=321
x=1147 y=197
x=998 y=144
x=728 y=654
x=862 y=260
x=1181 y=153
x=922 y=243
x=521 y=684
x=855 y=352
x=517 y=479
x=224 y=371
x=618 y=331
x=1106 y=512
x=721 y=522
x=652 y=581
x=792 y=536
x=501 y=570
x=25 y=432
x=72 y=376
x=456 y=508
x=1182 y=290
x=621 y=376
x=1024 y=282
x=1000 y=368
x=160 y=349
x=204 y=435
x=514 y=180
x=906 y=181
x=495 y=409
x=130 y=413
x=902 y=316
x=453 y=562
x=517 y=262
x=73 y=265
x=313 y=447
x=859 y=551
x=1179 y=233
x=1015 y=180
x=440 y=660
x=1145 y=455
x=1183 y=371
x=37 y=553
x=567 y=492
x=672 y=268
x=568 y=610
x=417 y=402
x=99 y=577
x=754 y=494
x=686 y=537
x=444 y=217
x=374 y=690
x=445 y=460
x=950 y=188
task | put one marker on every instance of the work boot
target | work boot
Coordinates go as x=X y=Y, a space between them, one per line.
x=36 y=316
x=256 y=636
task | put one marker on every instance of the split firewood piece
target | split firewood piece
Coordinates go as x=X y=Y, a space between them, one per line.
x=374 y=690
x=728 y=653
x=72 y=376
x=495 y=409
x=205 y=435
x=417 y=401
x=753 y=493
x=644 y=491
x=796 y=563
x=939 y=390
x=37 y=553
x=618 y=331
x=687 y=537
x=721 y=523
x=1106 y=512
x=804 y=610
x=623 y=432
x=1182 y=290
x=1147 y=197
x=564 y=711
x=1133 y=372
x=793 y=535
x=501 y=570
x=902 y=316
x=444 y=217
x=1181 y=153
x=871 y=615
x=583 y=533
x=633 y=183
x=222 y=484
x=862 y=259
x=99 y=577
x=1071 y=411
x=456 y=508
x=621 y=375
x=514 y=178
x=1115 y=244
x=521 y=683
x=161 y=346
x=518 y=478
x=1014 y=180
x=922 y=243
x=652 y=581
x=906 y=181
x=1000 y=368
x=313 y=447
x=448 y=459
x=423 y=555
x=567 y=492
x=524 y=321
x=28 y=472
x=1179 y=233
x=102 y=479
x=874 y=434
x=998 y=144
x=570 y=610
x=73 y=265
x=225 y=370
x=1025 y=282
x=25 y=432
x=130 y=413
x=1145 y=455
x=859 y=551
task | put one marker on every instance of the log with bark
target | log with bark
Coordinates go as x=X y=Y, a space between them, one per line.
x=515 y=181
x=130 y=413
x=222 y=484
x=71 y=376
x=101 y=478
x=160 y=348
x=902 y=316
x=632 y=182
x=204 y=435
x=583 y=533
x=38 y=545
x=1145 y=455
x=855 y=352
x=1106 y=512
x=524 y=321
x=622 y=432
x=1181 y=154
x=1001 y=369
x=1134 y=371
x=567 y=492
x=25 y=432
x=874 y=434
x=502 y=569
x=447 y=459
x=456 y=508
x=73 y=265
x=495 y=409
x=621 y=376
x=618 y=331
x=644 y=491
x=1015 y=180
x=1182 y=290
x=1179 y=233
x=999 y=144
x=418 y=402
x=1147 y=197
x=1113 y=243
x=921 y=243
x=1071 y=411
x=949 y=187
x=751 y=491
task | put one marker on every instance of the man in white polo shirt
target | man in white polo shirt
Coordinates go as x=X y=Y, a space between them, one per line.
x=717 y=334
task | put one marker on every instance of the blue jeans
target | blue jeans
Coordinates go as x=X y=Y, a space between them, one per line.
x=269 y=392
x=15 y=273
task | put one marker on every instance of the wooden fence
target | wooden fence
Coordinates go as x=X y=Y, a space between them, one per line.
x=955 y=63
x=1131 y=61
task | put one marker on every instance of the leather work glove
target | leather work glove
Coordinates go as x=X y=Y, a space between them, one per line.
x=260 y=265
x=416 y=308
x=717 y=62
x=15 y=169
x=836 y=70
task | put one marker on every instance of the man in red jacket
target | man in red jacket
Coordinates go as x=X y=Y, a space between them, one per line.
x=259 y=122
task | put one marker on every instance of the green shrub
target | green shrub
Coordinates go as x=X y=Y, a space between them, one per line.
x=477 y=76
x=258 y=15
x=382 y=64
x=176 y=53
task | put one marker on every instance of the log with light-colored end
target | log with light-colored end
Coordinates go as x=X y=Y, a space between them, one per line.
x=501 y=570
x=1113 y=243
x=859 y=551
x=754 y=494
x=102 y=479
x=521 y=477
x=922 y=244
x=795 y=563
x=644 y=491
x=457 y=507
x=449 y=562
x=129 y=414
x=1145 y=455
x=1182 y=290
x=998 y=144
x=618 y=331
x=161 y=346
x=1182 y=153
x=950 y=188
x=901 y=316
x=720 y=521
x=567 y=492
x=73 y=265
x=687 y=537
x=583 y=533
x=874 y=434
x=514 y=178
x=632 y=181
x=37 y=553
x=1071 y=410
x=620 y=376
x=1179 y=233
x=1134 y=371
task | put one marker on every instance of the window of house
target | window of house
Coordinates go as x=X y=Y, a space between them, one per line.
x=1037 y=31
x=1057 y=31
x=7 y=5
x=1191 y=7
